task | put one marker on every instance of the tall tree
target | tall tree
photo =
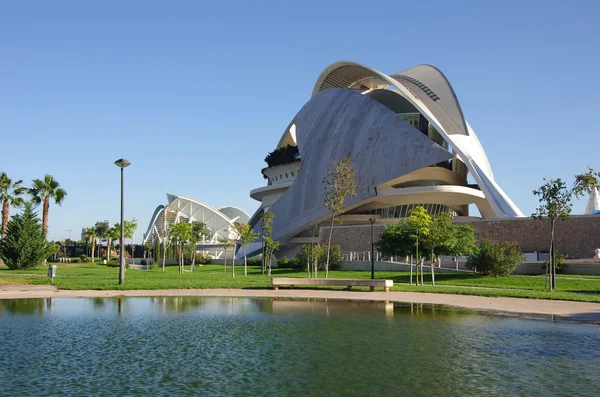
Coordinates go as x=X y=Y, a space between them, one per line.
x=226 y=242
x=181 y=233
x=101 y=229
x=340 y=184
x=10 y=194
x=169 y=216
x=270 y=247
x=90 y=235
x=24 y=244
x=129 y=228
x=555 y=197
x=199 y=230
x=42 y=191
x=419 y=223
x=246 y=235
x=112 y=234
x=266 y=232
x=440 y=238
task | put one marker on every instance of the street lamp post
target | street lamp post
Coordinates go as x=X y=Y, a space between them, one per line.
x=372 y=220
x=122 y=163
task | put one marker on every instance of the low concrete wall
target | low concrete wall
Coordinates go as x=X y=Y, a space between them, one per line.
x=577 y=238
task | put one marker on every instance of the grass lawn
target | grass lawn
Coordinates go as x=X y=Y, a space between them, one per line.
x=88 y=276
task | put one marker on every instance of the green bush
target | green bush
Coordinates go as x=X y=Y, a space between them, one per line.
x=320 y=252
x=496 y=258
x=84 y=258
x=254 y=261
x=144 y=262
x=154 y=266
x=286 y=263
x=113 y=263
x=75 y=260
x=24 y=245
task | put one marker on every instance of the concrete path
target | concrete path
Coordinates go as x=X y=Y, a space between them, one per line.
x=559 y=310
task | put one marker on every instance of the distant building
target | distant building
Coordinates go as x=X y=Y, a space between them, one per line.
x=219 y=222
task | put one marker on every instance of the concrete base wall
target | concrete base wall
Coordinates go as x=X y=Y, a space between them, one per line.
x=577 y=238
x=388 y=267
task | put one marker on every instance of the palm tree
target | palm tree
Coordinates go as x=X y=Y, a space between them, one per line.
x=42 y=191
x=9 y=195
x=90 y=235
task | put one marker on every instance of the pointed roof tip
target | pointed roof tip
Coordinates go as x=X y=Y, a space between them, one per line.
x=593 y=204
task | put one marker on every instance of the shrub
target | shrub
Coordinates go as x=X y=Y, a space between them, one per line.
x=143 y=262
x=560 y=263
x=75 y=260
x=113 y=263
x=154 y=266
x=84 y=258
x=286 y=263
x=202 y=259
x=256 y=261
x=24 y=245
x=496 y=258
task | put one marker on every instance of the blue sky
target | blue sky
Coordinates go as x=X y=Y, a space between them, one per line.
x=195 y=94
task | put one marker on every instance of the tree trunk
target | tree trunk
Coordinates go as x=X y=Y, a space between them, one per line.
x=45 y=216
x=93 y=247
x=411 y=272
x=108 y=250
x=417 y=260
x=245 y=262
x=270 y=261
x=164 y=258
x=225 y=259
x=193 y=267
x=329 y=246
x=432 y=271
x=4 y=217
x=233 y=263
x=552 y=253
x=263 y=264
x=550 y=258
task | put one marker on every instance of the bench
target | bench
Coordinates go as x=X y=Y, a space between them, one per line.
x=276 y=282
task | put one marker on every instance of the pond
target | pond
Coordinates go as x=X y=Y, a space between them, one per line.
x=209 y=346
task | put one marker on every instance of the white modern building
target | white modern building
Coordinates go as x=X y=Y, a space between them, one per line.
x=219 y=222
x=410 y=144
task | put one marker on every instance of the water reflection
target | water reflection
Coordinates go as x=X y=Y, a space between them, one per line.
x=25 y=306
x=257 y=346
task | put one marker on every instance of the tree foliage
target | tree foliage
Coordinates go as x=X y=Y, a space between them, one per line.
x=10 y=194
x=24 y=245
x=339 y=185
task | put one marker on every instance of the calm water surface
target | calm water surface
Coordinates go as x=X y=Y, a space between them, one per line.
x=185 y=346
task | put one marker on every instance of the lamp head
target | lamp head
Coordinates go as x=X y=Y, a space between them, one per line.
x=122 y=163
x=372 y=220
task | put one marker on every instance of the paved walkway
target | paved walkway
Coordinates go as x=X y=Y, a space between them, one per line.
x=577 y=311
